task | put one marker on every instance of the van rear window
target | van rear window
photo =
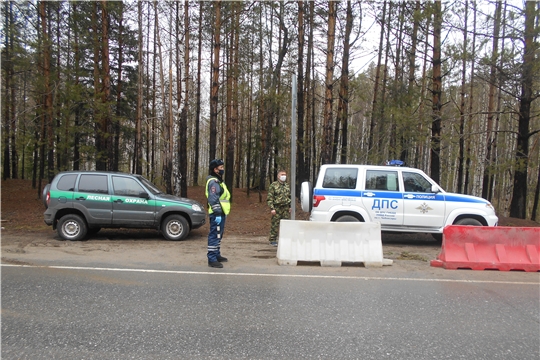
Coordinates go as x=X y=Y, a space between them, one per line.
x=343 y=178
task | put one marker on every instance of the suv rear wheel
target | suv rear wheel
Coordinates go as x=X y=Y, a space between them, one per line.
x=175 y=227
x=72 y=227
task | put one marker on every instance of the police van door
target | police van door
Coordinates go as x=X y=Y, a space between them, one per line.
x=423 y=208
x=128 y=207
x=382 y=197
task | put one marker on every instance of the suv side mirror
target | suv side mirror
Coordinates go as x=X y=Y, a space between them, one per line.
x=143 y=195
x=435 y=189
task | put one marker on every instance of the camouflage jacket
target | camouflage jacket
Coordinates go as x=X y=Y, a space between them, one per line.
x=279 y=195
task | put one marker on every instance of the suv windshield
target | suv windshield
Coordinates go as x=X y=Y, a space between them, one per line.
x=153 y=188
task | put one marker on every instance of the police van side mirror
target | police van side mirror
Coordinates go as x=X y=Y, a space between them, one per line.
x=435 y=189
x=143 y=195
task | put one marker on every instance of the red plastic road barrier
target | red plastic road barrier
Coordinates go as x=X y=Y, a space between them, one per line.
x=490 y=248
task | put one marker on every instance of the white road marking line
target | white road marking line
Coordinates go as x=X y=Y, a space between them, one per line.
x=273 y=275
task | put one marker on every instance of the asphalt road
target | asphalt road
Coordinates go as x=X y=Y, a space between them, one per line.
x=83 y=313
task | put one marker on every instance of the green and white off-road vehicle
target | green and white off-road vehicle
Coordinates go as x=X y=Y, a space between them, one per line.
x=80 y=203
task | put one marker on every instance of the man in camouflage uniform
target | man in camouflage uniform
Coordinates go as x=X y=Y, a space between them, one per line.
x=279 y=201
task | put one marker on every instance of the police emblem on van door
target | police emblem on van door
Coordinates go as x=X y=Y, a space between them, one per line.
x=424 y=208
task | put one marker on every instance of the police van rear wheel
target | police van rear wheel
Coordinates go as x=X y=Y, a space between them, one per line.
x=347 y=218
x=72 y=227
x=175 y=227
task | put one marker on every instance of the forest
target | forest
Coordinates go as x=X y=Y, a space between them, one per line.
x=160 y=88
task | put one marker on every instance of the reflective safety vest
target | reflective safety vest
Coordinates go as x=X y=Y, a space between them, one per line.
x=223 y=199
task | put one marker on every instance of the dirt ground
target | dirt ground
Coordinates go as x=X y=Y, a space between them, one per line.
x=25 y=239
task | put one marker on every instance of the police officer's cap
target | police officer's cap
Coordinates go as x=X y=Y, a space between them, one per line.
x=215 y=163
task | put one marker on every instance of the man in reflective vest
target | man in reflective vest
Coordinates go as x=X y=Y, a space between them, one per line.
x=218 y=208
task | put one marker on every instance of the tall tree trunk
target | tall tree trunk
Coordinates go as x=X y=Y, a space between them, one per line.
x=310 y=113
x=8 y=28
x=421 y=158
x=47 y=124
x=151 y=129
x=183 y=158
x=98 y=112
x=169 y=134
x=233 y=123
x=384 y=135
x=487 y=190
x=58 y=99
x=215 y=81
x=411 y=77
x=326 y=154
x=228 y=79
x=104 y=152
x=140 y=75
x=375 y=105
x=518 y=205
x=437 y=94
x=12 y=103
x=198 y=101
x=302 y=172
x=166 y=150
x=116 y=122
x=471 y=102
x=271 y=104
x=461 y=157
x=343 y=104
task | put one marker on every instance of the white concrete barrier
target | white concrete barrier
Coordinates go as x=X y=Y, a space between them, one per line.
x=330 y=243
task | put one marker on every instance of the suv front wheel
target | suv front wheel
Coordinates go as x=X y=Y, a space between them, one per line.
x=175 y=227
x=72 y=227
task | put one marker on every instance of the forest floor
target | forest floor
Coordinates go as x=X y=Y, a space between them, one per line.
x=25 y=239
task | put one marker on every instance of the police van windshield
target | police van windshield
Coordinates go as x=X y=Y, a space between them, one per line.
x=416 y=183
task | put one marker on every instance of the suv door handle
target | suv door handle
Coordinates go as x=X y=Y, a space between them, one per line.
x=119 y=201
x=81 y=198
x=369 y=194
x=409 y=196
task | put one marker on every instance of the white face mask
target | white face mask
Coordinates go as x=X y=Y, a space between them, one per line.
x=283 y=178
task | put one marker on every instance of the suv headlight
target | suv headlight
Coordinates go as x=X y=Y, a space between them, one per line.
x=489 y=206
x=196 y=207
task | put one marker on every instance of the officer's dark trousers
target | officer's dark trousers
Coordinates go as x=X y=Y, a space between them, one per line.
x=214 y=237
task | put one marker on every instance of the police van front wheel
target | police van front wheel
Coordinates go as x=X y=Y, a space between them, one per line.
x=72 y=227
x=347 y=218
x=175 y=227
x=468 y=221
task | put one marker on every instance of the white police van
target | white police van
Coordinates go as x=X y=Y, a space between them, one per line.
x=401 y=199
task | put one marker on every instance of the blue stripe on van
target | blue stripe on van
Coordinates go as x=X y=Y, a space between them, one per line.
x=337 y=192
x=398 y=195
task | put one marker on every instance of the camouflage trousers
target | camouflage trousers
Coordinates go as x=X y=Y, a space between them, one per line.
x=281 y=213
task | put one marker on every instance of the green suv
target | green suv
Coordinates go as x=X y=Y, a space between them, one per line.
x=80 y=203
